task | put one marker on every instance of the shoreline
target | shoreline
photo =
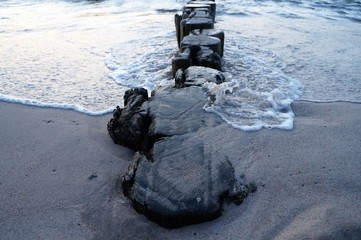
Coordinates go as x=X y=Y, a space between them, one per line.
x=60 y=169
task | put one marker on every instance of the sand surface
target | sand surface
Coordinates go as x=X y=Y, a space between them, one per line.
x=59 y=174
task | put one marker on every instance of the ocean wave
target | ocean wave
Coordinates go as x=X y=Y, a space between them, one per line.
x=67 y=106
x=83 y=55
x=349 y=8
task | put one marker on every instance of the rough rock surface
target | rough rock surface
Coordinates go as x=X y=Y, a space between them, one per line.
x=197 y=76
x=128 y=126
x=202 y=40
x=213 y=33
x=178 y=179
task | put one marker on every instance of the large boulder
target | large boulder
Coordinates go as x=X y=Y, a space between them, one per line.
x=181 y=179
x=181 y=185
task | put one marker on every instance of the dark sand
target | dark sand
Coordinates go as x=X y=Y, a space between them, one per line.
x=59 y=172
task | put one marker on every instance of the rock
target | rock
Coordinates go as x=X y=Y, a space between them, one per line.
x=129 y=125
x=197 y=76
x=202 y=41
x=180 y=187
x=207 y=58
x=202 y=49
x=177 y=176
x=211 y=4
x=196 y=54
x=181 y=60
x=179 y=79
x=178 y=111
x=213 y=33
x=189 y=24
x=183 y=180
x=177 y=20
x=193 y=7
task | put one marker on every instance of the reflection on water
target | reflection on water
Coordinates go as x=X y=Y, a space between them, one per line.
x=56 y=52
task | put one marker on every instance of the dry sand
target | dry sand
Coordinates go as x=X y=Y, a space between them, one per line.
x=59 y=171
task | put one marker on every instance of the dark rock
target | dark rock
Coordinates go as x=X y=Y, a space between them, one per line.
x=202 y=41
x=200 y=13
x=240 y=192
x=181 y=60
x=185 y=181
x=136 y=95
x=180 y=178
x=189 y=24
x=207 y=58
x=177 y=111
x=129 y=125
x=192 y=7
x=91 y=177
x=177 y=21
x=213 y=33
x=196 y=55
x=211 y=4
x=177 y=176
x=180 y=187
x=197 y=76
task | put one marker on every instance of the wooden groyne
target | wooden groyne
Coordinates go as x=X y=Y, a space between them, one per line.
x=178 y=176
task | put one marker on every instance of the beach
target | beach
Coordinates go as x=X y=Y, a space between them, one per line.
x=60 y=175
x=283 y=117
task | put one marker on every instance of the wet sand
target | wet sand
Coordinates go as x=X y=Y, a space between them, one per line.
x=59 y=174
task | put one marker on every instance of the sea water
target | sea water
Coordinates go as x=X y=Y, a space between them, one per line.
x=84 y=55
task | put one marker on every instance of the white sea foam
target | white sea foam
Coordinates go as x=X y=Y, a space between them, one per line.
x=83 y=55
x=151 y=5
x=37 y=103
x=248 y=108
x=148 y=67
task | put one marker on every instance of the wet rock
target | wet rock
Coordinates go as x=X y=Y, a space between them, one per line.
x=211 y=4
x=177 y=111
x=179 y=79
x=191 y=7
x=180 y=177
x=185 y=181
x=177 y=176
x=207 y=58
x=129 y=125
x=199 y=50
x=197 y=76
x=198 y=56
x=213 y=33
x=202 y=41
x=180 y=187
x=181 y=60
x=177 y=21
x=189 y=24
